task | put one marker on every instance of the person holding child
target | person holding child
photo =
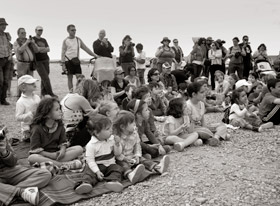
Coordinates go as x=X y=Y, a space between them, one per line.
x=131 y=154
x=27 y=104
x=48 y=138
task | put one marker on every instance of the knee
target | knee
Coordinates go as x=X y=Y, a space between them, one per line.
x=33 y=158
x=78 y=149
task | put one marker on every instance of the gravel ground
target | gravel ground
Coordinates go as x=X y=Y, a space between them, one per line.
x=243 y=171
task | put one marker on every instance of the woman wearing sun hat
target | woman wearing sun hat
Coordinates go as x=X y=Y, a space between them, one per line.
x=164 y=53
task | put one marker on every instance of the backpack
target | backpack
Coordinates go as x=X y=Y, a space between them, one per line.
x=226 y=116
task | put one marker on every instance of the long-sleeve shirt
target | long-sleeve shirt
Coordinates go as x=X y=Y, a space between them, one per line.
x=236 y=112
x=25 y=109
x=126 y=56
x=130 y=146
x=157 y=106
x=101 y=152
x=102 y=50
x=215 y=56
x=9 y=160
x=145 y=133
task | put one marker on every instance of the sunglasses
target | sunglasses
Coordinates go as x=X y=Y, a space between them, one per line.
x=120 y=73
x=73 y=29
x=155 y=74
x=40 y=30
x=245 y=39
x=175 y=42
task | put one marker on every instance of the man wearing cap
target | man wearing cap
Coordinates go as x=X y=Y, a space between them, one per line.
x=247 y=59
x=102 y=46
x=178 y=53
x=167 y=78
x=71 y=53
x=5 y=53
x=42 y=62
x=25 y=50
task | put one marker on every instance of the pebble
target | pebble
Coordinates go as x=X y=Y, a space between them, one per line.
x=201 y=200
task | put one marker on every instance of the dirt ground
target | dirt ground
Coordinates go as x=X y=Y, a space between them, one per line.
x=243 y=171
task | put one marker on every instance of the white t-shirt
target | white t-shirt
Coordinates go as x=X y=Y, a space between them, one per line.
x=237 y=113
x=71 y=48
x=141 y=55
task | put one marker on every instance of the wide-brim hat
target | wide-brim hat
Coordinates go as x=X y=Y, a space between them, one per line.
x=3 y=21
x=165 y=39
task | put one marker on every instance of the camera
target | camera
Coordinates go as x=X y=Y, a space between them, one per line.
x=3 y=132
x=237 y=54
x=132 y=44
x=64 y=73
x=212 y=97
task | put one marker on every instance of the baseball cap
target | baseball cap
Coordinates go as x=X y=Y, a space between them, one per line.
x=166 y=65
x=119 y=70
x=39 y=28
x=27 y=79
x=240 y=83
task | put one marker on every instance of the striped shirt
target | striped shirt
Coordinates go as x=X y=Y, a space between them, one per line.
x=5 y=48
x=101 y=152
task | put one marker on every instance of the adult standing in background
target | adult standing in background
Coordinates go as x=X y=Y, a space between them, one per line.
x=247 y=59
x=198 y=58
x=207 y=62
x=70 y=55
x=102 y=47
x=164 y=53
x=126 y=54
x=224 y=54
x=5 y=53
x=25 y=50
x=140 y=63
x=43 y=62
x=178 y=53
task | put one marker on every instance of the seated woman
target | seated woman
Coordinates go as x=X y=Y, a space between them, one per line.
x=132 y=78
x=76 y=107
x=153 y=76
x=118 y=85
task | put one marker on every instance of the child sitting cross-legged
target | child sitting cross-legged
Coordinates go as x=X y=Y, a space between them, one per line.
x=48 y=139
x=101 y=151
x=26 y=104
x=131 y=154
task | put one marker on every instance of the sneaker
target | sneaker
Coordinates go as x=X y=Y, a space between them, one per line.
x=136 y=174
x=213 y=142
x=257 y=129
x=178 y=146
x=163 y=164
x=5 y=102
x=83 y=188
x=267 y=125
x=198 y=142
x=167 y=148
x=31 y=195
x=161 y=150
x=114 y=186
x=72 y=165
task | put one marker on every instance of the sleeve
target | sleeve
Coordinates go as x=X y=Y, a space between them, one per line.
x=20 y=113
x=120 y=156
x=194 y=51
x=63 y=51
x=210 y=55
x=110 y=47
x=121 y=49
x=96 y=47
x=10 y=158
x=62 y=138
x=236 y=109
x=46 y=43
x=35 y=141
x=174 y=86
x=90 y=158
x=16 y=47
x=137 y=147
x=150 y=135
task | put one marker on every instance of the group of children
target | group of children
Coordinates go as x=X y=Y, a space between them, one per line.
x=125 y=142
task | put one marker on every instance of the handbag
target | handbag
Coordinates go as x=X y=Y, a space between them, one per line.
x=75 y=61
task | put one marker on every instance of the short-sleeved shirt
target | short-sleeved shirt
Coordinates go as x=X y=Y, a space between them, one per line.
x=141 y=55
x=196 y=112
x=41 y=42
x=267 y=105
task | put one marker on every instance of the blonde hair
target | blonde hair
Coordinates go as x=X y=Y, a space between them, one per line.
x=106 y=106
x=88 y=89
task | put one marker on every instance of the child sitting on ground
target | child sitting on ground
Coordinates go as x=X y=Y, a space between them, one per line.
x=239 y=113
x=156 y=105
x=19 y=181
x=101 y=151
x=149 y=142
x=270 y=106
x=131 y=155
x=129 y=89
x=177 y=128
x=255 y=94
x=210 y=134
x=182 y=91
x=26 y=104
x=48 y=138
x=109 y=109
x=106 y=91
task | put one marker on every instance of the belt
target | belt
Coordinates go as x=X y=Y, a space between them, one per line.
x=24 y=61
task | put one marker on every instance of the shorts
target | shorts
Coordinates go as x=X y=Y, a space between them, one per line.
x=73 y=69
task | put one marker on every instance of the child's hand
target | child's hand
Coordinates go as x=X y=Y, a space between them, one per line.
x=241 y=106
x=3 y=147
x=99 y=175
x=131 y=161
x=61 y=153
x=185 y=125
x=137 y=160
x=117 y=139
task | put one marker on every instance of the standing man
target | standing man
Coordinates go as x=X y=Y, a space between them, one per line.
x=5 y=52
x=102 y=47
x=25 y=50
x=140 y=63
x=70 y=55
x=42 y=62
x=178 y=53
x=247 y=59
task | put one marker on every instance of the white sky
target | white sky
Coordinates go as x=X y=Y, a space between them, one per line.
x=147 y=21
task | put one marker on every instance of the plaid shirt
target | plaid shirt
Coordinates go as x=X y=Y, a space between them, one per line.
x=5 y=48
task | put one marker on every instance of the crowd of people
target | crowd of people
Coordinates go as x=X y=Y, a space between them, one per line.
x=113 y=123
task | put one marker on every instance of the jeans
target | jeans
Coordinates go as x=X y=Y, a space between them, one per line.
x=213 y=69
x=196 y=71
x=43 y=69
x=4 y=77
x=236 y=67
x=111 y=173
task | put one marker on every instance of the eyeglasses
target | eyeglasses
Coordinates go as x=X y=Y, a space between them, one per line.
x=175 y=42
x=245 y=39
x=155 y=74
x=73 y=29
x=40 y=30
x=23 y=32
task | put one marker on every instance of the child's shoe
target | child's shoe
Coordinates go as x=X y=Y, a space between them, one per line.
x=82 y=188
x=114 y=186
x=226 y=138
x=163 y=164
x=257 y=129
x=179 y=146
x=213 y=142
x=167 y=148
x=198 y=142
x=72 y=165
x=31 y=195
x=267 y=125
x=136 y=174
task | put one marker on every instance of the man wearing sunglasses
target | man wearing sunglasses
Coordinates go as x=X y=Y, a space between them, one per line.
x=247 y=59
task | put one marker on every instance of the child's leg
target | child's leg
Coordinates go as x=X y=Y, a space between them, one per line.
x=70 y=82
x=147 y=149
x=149 y=164
x=8 y=192
x=181 y=142
x=112 y=173
x=126 y=167
x=219 y=130
x=72 y=153
x=32 y=159
x=203 y=133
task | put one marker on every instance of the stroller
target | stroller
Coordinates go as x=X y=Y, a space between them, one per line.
x=264 y=68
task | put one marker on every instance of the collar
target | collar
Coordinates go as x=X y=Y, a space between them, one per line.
x=25 y=96
x=95 y=140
